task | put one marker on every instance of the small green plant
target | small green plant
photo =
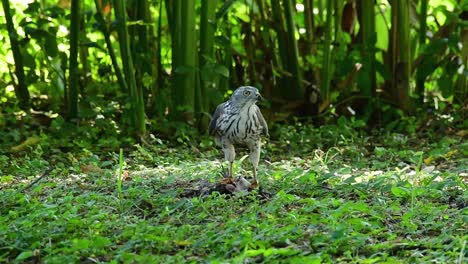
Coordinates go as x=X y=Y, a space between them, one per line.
x=120 y=179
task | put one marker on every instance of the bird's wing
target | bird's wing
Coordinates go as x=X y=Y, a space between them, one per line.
x=262 y=122
x=213 y=123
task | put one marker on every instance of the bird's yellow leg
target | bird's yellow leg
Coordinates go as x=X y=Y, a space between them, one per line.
x=230 y=169
x=255 y=180
x=229 y=154
x=254 y=158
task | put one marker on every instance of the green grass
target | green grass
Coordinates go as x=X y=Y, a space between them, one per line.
x=338 y=195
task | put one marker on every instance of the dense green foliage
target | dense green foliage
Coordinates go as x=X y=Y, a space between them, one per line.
x=181 y=58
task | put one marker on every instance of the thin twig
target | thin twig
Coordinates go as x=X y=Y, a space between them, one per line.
x=326 y=187
x=45 y=174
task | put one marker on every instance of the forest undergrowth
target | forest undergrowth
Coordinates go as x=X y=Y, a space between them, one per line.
x=336 y=194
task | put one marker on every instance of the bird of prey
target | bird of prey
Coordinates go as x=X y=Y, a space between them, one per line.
x=239 y=121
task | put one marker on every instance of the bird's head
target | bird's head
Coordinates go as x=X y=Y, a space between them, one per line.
x=246 y=95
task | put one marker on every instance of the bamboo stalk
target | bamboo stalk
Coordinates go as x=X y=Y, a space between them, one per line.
x=403 y=71
x=288 y=50
x=294 y=66
x=170 y=5
x=83 y=52
x=281 y=62
x=157 y=65
x=136 y=94
x=105 y=31
x=72 y=106
x=176 y=35
x=227 y=60
x=249 y=46
x=327 y=48
x=420 y=78
x=142 y=49
x=320 y=10
x=309 y=24
x=461 y=85
x=337 y=19
x=184 y=59
x=368 y=87
x=189 y=51
x=207 y=35
x=21 y=89
x=423 y=22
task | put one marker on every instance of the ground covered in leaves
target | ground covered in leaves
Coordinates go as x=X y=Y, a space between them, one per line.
x=328 y=194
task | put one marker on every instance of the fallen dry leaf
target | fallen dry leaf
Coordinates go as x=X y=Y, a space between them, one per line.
x=90 y=168
x=126 y=175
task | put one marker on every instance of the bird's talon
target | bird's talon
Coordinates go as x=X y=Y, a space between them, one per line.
x=254 y=184
x=227 y=180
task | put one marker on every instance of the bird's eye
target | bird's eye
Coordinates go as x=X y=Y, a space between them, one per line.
x=246 y=93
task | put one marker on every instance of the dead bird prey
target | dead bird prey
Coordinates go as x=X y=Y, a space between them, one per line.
x=239 y=121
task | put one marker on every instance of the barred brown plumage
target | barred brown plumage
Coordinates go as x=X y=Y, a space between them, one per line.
x=239 y=121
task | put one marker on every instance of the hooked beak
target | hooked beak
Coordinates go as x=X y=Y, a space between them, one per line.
x=259 y=97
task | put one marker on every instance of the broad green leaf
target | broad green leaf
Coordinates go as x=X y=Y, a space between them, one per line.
x=400 y=191
x=6 y=179
x=222 y=70
x=80 y=244
x=101 y=242
x=25 y=255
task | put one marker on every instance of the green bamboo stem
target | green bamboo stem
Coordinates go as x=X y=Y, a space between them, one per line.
x=327 y=48
x=420 y=76
x=368 y=87
x=337 y=20
x=320 y=10
x=157 y=65
x=189 y=51
x=288 y=50
x=184 y=59
x=224 y=83
x=207 y=34
x=294 y=66
x=278 y=19
x=281 y=63
x=72 y=102
x=403 y=71
x=142 y=49
x=136 y=93
x=461 y=85
x=309 y=24
x=175 y=26
x=249 y=47
x=21 y=88
x=105 y=31
x=423 y=21
x=170 y=5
